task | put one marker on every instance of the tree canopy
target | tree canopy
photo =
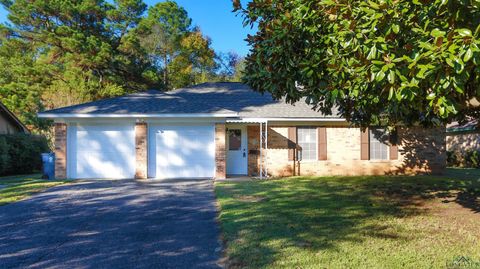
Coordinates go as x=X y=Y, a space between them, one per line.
x=179 y=51
x=57 y=53
x=383 y=62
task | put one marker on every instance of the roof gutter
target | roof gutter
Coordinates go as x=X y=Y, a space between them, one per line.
x=234 y=118
x=461 y=129
x=257 y=120
x=174 y=115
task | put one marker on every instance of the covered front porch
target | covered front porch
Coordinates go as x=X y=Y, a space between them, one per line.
x=264 y=147
x=246 y=149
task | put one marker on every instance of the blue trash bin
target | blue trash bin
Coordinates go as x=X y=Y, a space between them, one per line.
x=48 y=160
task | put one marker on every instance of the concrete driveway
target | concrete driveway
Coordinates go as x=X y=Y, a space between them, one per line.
x=113 y=224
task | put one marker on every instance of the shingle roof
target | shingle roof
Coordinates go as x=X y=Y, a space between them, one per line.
x=471 y=125
x=217 y=97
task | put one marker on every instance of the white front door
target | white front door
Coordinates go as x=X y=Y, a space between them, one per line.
x=237 y=150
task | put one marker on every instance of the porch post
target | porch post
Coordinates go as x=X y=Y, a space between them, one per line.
x=260 y=170
x=266 y=148
x=220 y=154
x=263 y=168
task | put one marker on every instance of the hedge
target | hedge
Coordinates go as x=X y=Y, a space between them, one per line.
x=20 y=153
x=469 y=158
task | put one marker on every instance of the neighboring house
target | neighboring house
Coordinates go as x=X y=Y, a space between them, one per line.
x=463 y=137
x=214 y=130
x=9 y=123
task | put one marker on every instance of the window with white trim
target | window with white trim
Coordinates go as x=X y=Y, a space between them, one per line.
x=378 y=144
x=307 y=141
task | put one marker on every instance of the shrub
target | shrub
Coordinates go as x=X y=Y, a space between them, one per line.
x=20 y=153
x=472 y=158
x=469 y=158
x=453 y=158
x=4 y=156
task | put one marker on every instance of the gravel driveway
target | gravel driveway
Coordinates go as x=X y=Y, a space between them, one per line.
x=113 y=224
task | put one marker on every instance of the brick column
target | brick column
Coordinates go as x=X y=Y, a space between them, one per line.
x=141 y=148
x=220 y=154
x=60 y=150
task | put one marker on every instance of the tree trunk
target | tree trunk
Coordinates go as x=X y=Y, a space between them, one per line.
x=165 y=71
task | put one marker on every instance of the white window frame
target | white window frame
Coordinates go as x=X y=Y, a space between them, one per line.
x=316 y=143
x=387 y=158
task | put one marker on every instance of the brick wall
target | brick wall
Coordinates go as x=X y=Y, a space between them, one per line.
x=141 y=148
x=60 y=150
x=460 y=142
x=420 y=151
x=220 y=154
x=253 y=139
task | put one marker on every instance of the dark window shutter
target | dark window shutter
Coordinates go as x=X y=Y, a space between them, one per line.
x=292 y=143
x=364 y=145
x=322 y=143
x=394 y=145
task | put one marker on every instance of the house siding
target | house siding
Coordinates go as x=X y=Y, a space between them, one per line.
x=7 y=126
x=419 y=151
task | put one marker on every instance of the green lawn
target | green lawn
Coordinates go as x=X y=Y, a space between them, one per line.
x=352 y=222
x=14 y=188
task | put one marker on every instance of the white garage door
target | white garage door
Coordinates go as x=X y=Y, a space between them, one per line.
x=182 y=151
x=102 y=151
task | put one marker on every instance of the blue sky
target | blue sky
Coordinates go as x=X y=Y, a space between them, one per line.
x=216 y=20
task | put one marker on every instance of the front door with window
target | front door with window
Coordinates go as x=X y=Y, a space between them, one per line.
x=237 y=151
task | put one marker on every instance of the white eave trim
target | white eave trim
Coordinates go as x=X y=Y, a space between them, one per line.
x=177 y=115
x=258 y=120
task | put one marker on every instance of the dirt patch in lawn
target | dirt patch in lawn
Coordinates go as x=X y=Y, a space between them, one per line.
x=250 y=198
x=451 y=211
x=455 y=212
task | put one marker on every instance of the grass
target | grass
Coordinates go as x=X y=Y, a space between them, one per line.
x=351 y=222
x=15 y=188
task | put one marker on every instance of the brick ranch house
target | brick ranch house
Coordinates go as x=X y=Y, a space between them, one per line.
x=215 y=130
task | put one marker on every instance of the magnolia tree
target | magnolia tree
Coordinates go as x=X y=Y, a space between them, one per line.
x=384 y=62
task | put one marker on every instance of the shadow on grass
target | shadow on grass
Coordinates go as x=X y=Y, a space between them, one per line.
x=261 y=218
x=461 y=186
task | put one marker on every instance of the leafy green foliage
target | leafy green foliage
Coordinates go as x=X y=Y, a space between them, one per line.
x=4 y=156
x=179 y=52
x=59 y=53
x=65 y=52
x=21 y=80
x=195 y=60
x=20 y=153
x=230 y=66
x=469 y=158
x=378 y=61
